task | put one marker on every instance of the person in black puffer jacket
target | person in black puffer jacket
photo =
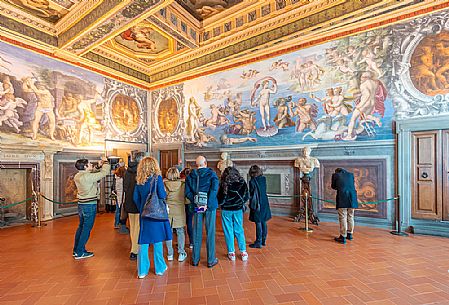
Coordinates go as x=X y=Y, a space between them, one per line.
x=129 y=182
x=232 y=196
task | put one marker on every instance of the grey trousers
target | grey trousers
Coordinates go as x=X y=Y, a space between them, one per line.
x=208 y=218
x=346 y=219
x=181 y=241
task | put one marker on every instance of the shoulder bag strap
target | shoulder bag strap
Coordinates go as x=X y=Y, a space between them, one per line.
x=151 y=187
x=197 y=181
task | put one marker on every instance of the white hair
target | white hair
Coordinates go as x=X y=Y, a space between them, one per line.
x=201 y=161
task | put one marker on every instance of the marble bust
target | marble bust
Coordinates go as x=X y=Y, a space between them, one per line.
x=306 y=163
x=224 y=162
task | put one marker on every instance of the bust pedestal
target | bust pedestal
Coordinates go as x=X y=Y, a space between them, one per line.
x=306 y=201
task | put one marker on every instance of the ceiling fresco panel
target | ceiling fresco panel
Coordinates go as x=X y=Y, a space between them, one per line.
x=202 y=9
x=49 y=10
x=142 y=40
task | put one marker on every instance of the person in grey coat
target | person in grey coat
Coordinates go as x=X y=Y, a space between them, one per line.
x=343 y=183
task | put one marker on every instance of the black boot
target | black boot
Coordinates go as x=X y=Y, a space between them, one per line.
x=264 y=242
x=340 y=239
x=256 y=244
x=349 y=236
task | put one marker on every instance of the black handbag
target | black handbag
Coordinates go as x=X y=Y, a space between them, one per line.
x=254 y=203
x=154 y=208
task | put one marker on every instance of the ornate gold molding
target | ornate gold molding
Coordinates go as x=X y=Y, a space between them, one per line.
x=248 y=31
x=10 y=11
x=74 y=16
x=129 y=15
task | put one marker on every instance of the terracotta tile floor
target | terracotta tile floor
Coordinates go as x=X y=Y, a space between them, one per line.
x=36 y=267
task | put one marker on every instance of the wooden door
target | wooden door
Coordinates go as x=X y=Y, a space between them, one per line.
x=169 y=158
x=445 y=161
x=426 y=175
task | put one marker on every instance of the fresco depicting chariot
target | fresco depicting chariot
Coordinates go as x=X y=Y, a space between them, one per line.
x=331 y=92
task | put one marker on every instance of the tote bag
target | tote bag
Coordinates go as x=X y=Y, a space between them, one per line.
x=155 y=208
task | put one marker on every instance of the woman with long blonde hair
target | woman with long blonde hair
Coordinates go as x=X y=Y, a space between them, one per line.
x=152 y=231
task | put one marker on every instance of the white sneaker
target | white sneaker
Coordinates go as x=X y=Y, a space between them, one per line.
x=170 y=257
x=244 y=256
x=182 y=257
x=231 y=256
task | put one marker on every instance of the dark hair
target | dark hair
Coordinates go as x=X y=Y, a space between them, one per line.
x=81 y=164
x=255 y=171
x=229 y=176
x=185 y=172
x=339 y=170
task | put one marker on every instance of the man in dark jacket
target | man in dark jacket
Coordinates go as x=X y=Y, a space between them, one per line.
x=129 y=182
x=343 y=182
x=203 y=180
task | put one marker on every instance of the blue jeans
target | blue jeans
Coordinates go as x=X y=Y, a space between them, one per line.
x=261 y=232
x=117 y=216
x=189 y=222
x=86 y=213
x=209 y=218
x=143 y=260
x=232 y=222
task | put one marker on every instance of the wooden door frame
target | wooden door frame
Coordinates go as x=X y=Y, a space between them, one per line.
x=404 y=140
x=437 y=174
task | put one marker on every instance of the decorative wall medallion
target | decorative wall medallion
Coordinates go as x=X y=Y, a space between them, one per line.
x=126 y=112
x=167 y=115
x=420 y=56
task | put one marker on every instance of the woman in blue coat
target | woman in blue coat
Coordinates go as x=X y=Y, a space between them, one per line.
x=259 y=206
x=152 y=231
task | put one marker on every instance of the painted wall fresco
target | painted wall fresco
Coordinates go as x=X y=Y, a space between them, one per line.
x=420 y=67
x=48 y=102
x=332 y=92
x=370 y=183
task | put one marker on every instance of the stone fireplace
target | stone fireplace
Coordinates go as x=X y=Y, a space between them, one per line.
x=17 y=182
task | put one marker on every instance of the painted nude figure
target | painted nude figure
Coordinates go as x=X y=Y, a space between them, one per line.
x=337 y=103
x=306 y=115
x=264 y=102
x=45 y=106
x=283 y=118
x=9 y=104
x=366 y=107
x=193 y=111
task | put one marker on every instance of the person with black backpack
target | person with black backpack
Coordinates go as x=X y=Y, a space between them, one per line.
x=232 y=196
x=201 y=190
x=259 y=205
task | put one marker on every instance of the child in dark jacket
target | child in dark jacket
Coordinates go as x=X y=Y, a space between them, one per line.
x=232 y=196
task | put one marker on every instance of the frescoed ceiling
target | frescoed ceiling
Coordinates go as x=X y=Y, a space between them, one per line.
x=156 y=42
x=48 y=10
x=202 y=9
